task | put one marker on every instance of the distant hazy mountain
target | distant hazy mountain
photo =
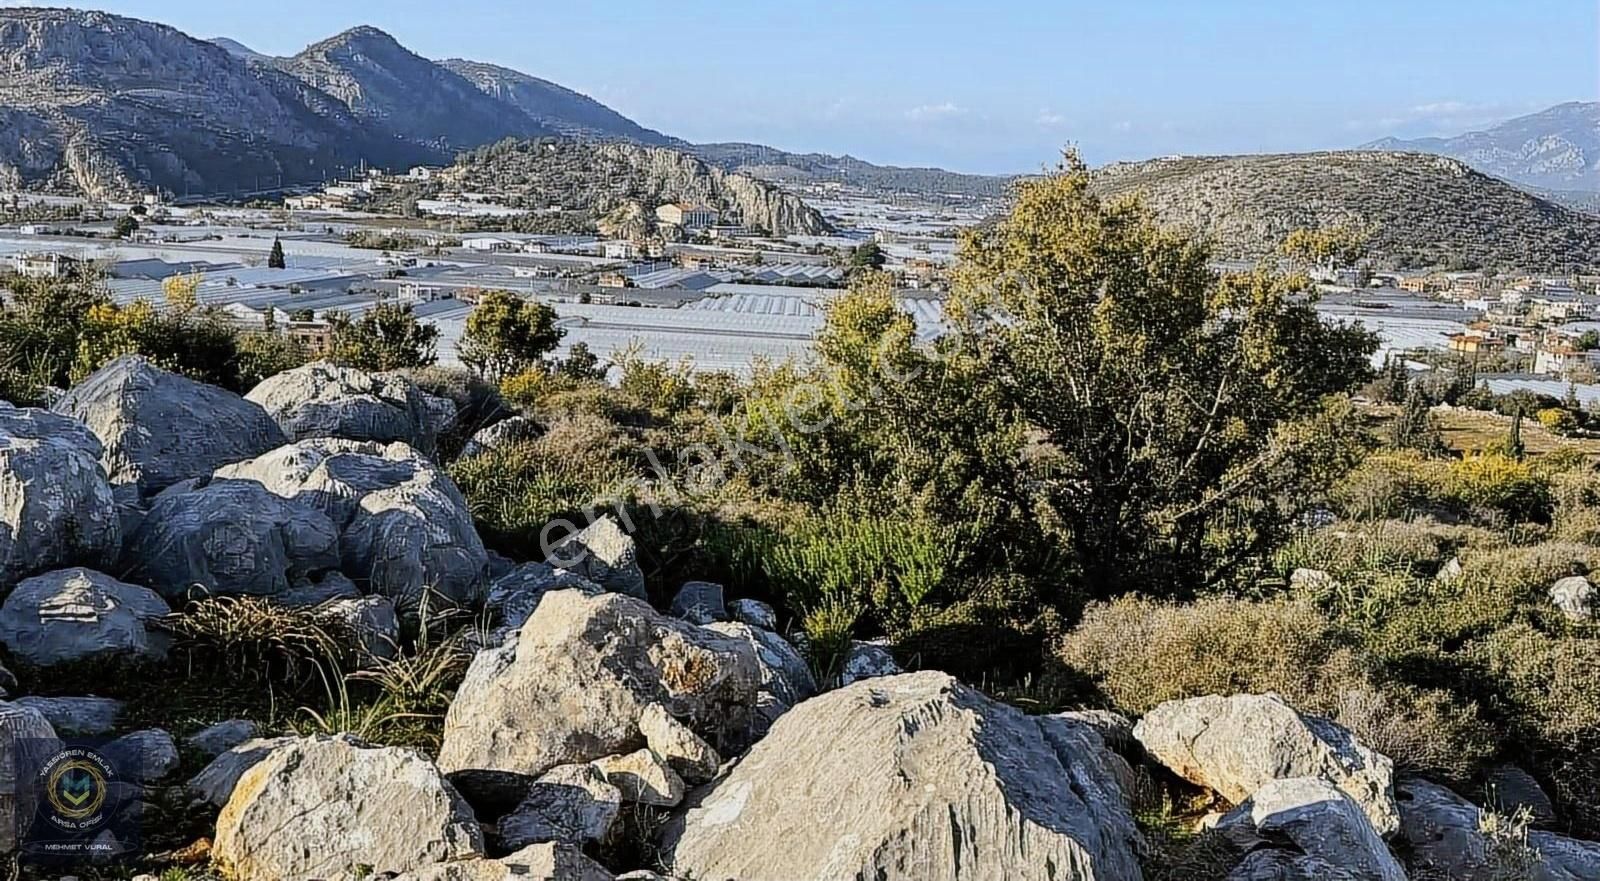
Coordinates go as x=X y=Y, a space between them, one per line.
x=770 y=163
x=1555 y=149
x=237 y=49
x=554 y=107
x=1425 y=210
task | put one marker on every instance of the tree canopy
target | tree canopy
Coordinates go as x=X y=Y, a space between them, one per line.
x=507 y=334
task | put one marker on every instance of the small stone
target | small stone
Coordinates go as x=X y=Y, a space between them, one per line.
x=151 y=751
x=1574 y=595
x=755 y=613
x=644 y=778
x=700 y=602
x=217 y=739
x=685 y=752
x=867 y=660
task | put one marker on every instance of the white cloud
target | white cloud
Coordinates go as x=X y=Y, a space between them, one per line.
x=1050 y=119
x=930 y=112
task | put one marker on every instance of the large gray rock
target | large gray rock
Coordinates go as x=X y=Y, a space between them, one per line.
x=56 y=505
x=1574 y=595
x=700 y=602
x=571 y=803
x=404 y=528
x=324 y=400
x=150 y=752
x=755 y=613
x=911 y=778
x=501 y=434
x=1319 y=820
x=159 y=428
x=1511 y=789
x=367 y=625
x=574 y=684
x=1234 y=745
x=215 y=782
x=327 y=808
x=1443 y=833
x=87 y=716
x=551 y=861
x=229 y=537
x=78 y=614
x=785 y=677
x=601 y=552
x=26 y=740
x=864 y=660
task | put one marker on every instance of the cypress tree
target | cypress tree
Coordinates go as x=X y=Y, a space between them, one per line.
x=275 y=259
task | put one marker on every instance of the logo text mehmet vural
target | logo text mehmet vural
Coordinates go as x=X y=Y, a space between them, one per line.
x=75 y=799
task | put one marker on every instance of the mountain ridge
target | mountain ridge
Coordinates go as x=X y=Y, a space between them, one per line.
x=1555 y=149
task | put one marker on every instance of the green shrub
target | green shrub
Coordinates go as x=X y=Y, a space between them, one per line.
x=1489 y=487
x=515 y=490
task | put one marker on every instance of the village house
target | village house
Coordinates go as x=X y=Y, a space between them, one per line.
x=686 y=215
x=44 y=265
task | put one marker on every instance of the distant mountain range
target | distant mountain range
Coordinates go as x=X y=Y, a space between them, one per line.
x=1556 y=150
x=103 y=104
x=1423 y=210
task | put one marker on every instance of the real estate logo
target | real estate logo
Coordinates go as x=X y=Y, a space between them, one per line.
x=74 y=801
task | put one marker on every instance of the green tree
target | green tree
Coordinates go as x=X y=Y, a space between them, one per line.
x=386 y=337
x=507 y=334
x=581 y=364
x=1416 y=428
x=125 y=226
x=867 y=256
x=275 y=256
x=1105 y=405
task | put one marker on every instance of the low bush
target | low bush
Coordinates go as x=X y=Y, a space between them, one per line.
x=1484 y=487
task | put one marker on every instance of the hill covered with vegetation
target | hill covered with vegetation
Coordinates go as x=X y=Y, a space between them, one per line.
x=1424 y=210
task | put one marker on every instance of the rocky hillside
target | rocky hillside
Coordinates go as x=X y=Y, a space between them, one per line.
x=588 y=734
x=1425 y=210
x=555 y=107
x=392 y=88
x=1555 y=149
x=98 y=103
x=770 y=163
x=601 y=179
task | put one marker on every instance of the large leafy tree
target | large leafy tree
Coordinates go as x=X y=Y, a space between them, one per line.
x=386 y=337
x=506 y=334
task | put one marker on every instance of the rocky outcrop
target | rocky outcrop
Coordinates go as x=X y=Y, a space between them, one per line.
x=1314 y=818
x=328 y=808
x=230 y=537
x=78 y=614
x=918 y=778
x=574 y=684
x=403 y=527
x=1235 y=745
x=325 y=400
x=159 y=428
x=56 y=506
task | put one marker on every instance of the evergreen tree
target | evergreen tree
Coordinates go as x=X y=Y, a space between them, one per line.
x=507 y=334
x=1514 y=447
x=275 y=259
x=1415 y=428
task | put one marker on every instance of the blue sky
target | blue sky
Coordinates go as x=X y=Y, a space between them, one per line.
x=997 y=86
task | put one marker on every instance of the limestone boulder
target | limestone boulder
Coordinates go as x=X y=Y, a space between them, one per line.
x=506 y=432
x=909 y=777
x=574 y=684
x=1234 y=745
x=786 y=679
x=1574 y=595
x=329 y=808
x=325 y=400
x=79 y=614
x=158 y=428
x=1317 y=819
x=229 y=537
x=684 y=751
x=755 y=613
x=404 y=528
x=568 y=803
x=1443 y=834
x=602 y=553
x=56 y=504
x=514 y=595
